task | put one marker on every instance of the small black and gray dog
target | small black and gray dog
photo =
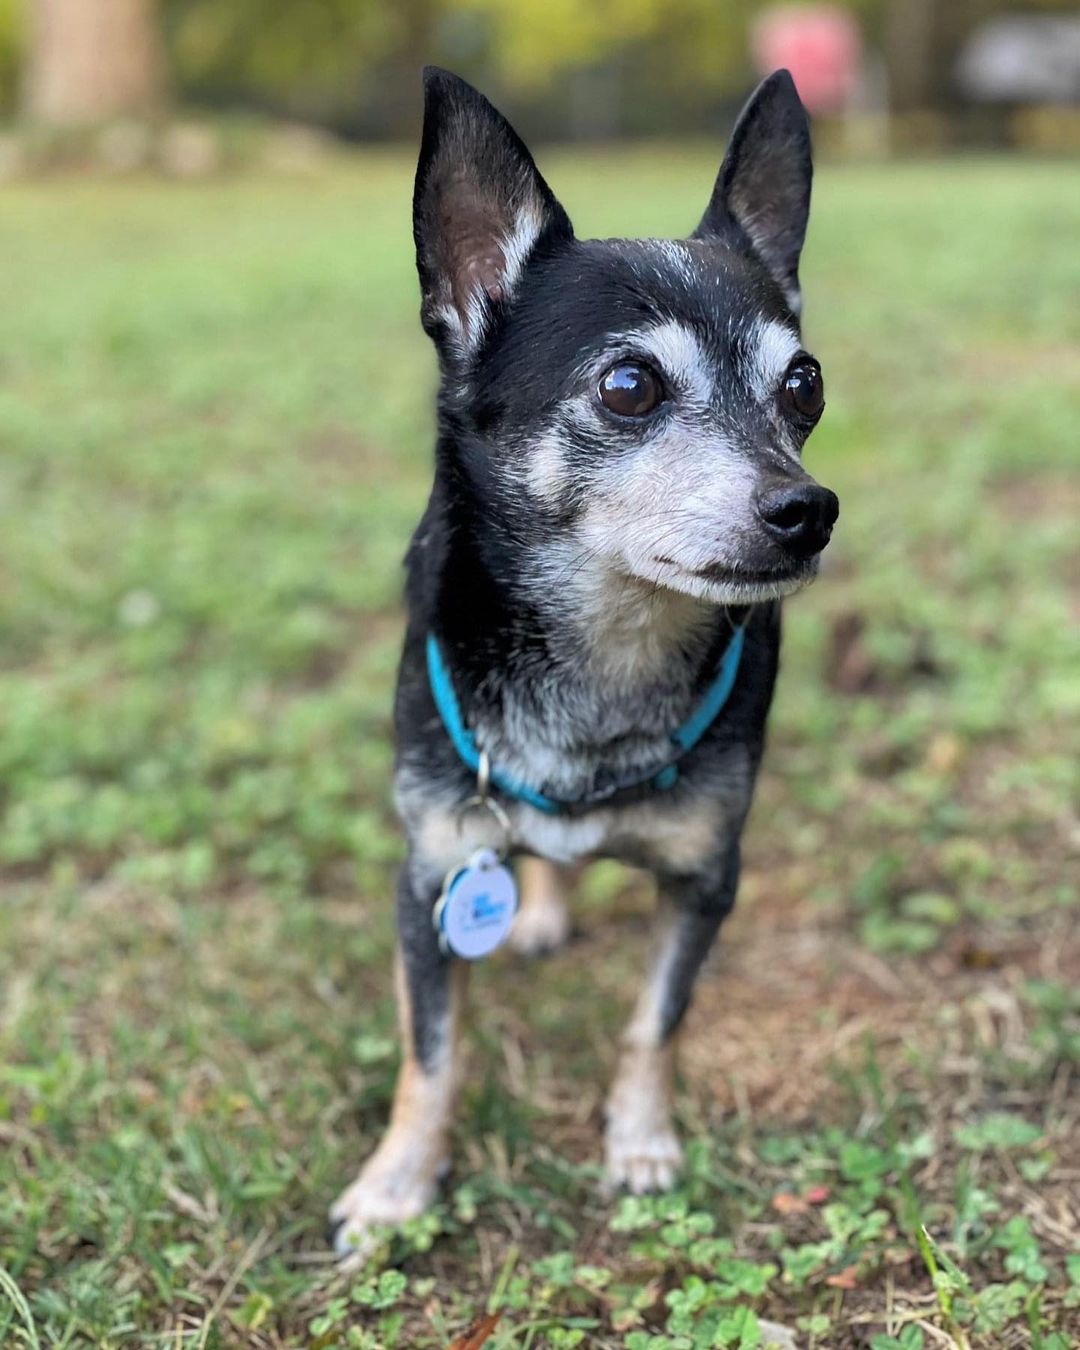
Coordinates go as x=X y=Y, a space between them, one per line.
x=619 y=504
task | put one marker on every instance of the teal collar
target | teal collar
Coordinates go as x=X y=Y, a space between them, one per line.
x=631 y=788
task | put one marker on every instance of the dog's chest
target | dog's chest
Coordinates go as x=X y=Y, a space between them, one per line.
x=650 y=833
x=666 y=832
x=568 y=734
x=567 y=739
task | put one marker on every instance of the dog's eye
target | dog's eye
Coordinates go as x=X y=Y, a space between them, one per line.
x=630 y=390
x=803 y=394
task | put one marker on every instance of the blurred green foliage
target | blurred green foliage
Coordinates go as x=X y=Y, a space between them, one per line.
x=11 y=39
x=316 y=56
x=583 y=68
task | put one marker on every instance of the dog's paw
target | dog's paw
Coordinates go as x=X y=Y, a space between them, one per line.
x=542 y=925
x=382 y=1196
x=642 y=1158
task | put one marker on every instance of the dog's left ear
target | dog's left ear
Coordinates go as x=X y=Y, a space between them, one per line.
x=480 y=210
x=764 y=182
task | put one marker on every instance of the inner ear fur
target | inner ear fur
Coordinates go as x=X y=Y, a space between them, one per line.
x=480 y=208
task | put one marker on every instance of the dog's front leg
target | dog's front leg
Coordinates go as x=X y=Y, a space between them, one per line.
x=641 y=1147
x=399 y=1179
x=543 y=921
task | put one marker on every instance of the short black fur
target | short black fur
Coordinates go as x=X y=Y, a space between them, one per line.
x=469 y=563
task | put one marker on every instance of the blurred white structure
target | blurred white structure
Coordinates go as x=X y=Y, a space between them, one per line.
x=1023 y=59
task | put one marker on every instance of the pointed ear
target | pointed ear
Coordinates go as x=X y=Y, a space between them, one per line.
x=764 y=181
x=480 y=210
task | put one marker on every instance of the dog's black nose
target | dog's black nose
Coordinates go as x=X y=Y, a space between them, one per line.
x=799 y=516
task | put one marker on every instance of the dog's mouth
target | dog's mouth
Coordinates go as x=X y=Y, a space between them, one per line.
x=785 y=577
x=742 y=583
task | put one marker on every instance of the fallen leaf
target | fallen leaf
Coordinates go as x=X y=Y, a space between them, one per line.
x=974 y=957
x=475 y=1335
x=849 y=667
x=843 y=1279
x=786 y=1203
x=943 y=753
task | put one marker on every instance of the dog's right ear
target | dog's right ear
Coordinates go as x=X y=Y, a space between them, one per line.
x=764 y=182
x=480 y=211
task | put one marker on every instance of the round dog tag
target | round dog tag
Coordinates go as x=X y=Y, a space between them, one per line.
x=477 y=906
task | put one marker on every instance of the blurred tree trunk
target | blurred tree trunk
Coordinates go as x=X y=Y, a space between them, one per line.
x=416 y=22
x=910 y=30
x=91 y=60
x=921 y=40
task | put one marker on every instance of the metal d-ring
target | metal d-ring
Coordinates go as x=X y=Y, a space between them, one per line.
x=483 y=776
x=483 y=801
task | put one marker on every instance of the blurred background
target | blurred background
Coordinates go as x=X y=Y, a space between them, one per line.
x=893 y=74
x=216 y=413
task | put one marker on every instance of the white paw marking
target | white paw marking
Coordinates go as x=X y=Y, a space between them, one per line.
x=642 y=1157
x=542 y=925
x=384 y=1195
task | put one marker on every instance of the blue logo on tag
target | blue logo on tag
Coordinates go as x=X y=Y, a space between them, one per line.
x=476 y=909
x=485 y=909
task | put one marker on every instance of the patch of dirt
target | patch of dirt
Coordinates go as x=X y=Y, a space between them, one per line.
x=793 y=997
x=992 y=363
x=1027 y=496
x=850 y=667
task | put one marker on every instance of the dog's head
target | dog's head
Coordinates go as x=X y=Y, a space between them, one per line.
x=642 y=404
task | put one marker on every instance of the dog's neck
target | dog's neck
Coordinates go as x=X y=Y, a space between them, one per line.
x=563 y=664
x=627 y=634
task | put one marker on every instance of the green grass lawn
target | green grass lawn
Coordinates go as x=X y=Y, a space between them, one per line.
x=215 y=420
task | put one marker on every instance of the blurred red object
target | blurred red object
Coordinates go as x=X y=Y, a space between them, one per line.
x=822 y=47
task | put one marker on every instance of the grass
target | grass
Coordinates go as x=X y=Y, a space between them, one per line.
x=215 y=418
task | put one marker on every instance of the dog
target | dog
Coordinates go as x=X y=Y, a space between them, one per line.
x=619 y=505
